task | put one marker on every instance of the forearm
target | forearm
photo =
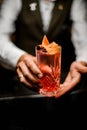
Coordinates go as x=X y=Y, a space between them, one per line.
x=9 y=53
x=79 y=38
x=79 y=29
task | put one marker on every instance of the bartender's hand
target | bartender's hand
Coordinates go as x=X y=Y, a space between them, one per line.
x=28 y=71
x=73 y=77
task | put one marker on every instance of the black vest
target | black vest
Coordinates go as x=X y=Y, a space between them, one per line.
x=30 y=33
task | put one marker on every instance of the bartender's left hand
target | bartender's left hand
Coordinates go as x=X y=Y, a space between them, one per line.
x=73 y=77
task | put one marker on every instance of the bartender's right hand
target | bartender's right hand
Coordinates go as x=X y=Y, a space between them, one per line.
x=28 y=71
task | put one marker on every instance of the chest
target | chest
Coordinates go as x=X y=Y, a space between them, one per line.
x=34 y=13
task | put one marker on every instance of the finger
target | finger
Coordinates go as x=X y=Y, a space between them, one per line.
x=68 y=85
x=23 y=79
x=34 y=68
x=27 y=73
x=80 y=67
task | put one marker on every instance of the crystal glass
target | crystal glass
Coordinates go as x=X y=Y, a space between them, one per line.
x=50 y=65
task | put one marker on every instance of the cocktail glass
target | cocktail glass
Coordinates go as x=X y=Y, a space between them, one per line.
x=50 y=65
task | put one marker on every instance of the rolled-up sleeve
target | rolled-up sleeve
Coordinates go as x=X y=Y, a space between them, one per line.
x=9 y=53
x=79 y=29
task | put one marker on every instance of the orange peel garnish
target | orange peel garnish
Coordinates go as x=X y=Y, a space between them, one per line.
x=51 y=48
x=45 y=41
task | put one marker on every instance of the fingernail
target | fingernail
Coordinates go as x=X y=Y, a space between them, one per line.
x=40 y=75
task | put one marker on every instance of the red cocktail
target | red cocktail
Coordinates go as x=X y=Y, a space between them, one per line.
x=49 y=61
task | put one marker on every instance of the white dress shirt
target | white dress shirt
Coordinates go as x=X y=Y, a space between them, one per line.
x=10 y=53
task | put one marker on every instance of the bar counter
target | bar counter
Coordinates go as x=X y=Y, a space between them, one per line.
x=19 y=109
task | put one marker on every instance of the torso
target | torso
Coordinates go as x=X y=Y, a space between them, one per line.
x=31 y=32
